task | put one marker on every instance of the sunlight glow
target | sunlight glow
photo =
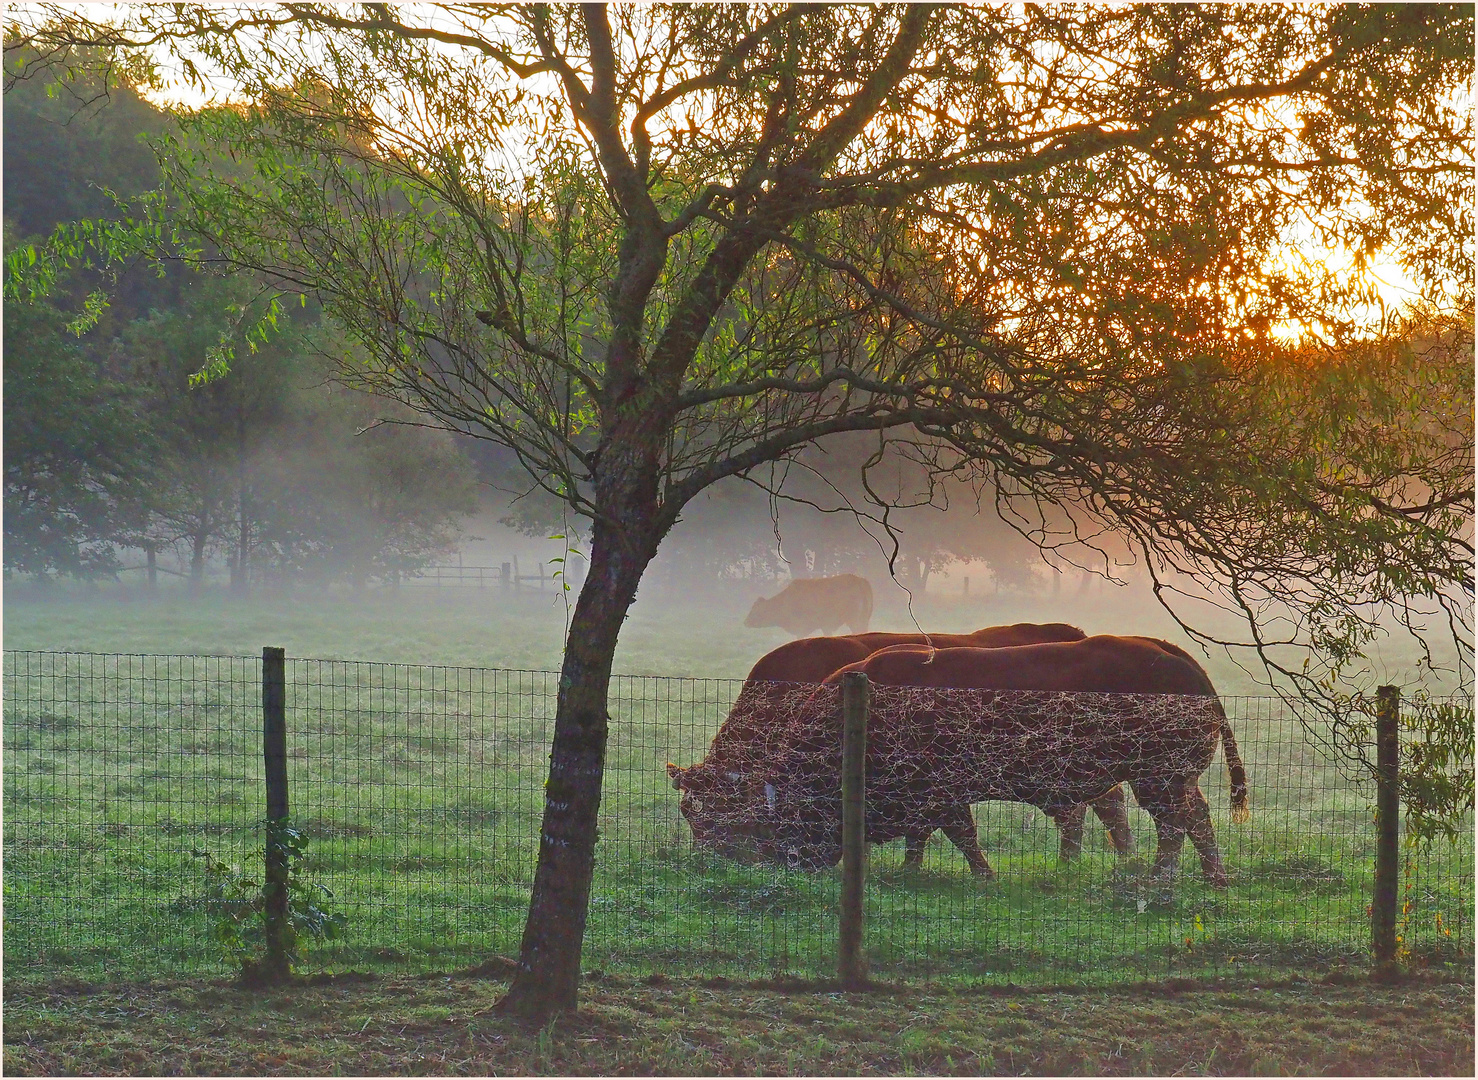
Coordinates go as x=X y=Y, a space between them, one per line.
x=414 y=130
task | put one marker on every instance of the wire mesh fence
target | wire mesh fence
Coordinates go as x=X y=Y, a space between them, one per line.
x=420 y=791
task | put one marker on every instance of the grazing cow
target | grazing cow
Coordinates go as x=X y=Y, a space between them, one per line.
x=823 y=604
x=1055 y=725
x=811 y=660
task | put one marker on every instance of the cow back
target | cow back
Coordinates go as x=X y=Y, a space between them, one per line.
x=1102 y=664
x=812 y=659
x=1000 y=637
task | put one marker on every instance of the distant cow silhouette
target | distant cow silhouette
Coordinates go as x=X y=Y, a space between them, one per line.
x=824 y=604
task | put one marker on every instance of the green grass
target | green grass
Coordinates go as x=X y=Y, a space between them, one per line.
x=419 y=790
x=660 y=1026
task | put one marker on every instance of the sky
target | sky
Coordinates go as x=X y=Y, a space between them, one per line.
x=1395 y=287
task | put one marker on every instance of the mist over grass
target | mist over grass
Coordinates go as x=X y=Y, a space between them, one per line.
x=703 y=636
x=674 y=628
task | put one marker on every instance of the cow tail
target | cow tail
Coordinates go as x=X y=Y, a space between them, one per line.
x=1235 y=771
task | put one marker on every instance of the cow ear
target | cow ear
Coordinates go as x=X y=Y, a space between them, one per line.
x=676 y=775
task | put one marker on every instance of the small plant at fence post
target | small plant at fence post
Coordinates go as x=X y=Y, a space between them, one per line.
x=851 y=964
x=276 y=856
x=1387 y=823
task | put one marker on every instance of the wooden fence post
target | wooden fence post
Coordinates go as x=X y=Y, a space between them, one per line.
x=1387 y=824
x=274 y=756
x=851 y=964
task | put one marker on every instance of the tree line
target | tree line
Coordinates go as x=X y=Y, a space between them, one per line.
x=115 y=454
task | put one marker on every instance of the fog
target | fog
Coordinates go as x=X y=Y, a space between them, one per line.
x=955 y=570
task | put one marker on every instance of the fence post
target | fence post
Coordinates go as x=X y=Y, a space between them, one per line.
x=274 y=757
x=851 y=964
x=1387 y=823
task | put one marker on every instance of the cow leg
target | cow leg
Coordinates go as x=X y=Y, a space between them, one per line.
x=913 y=850
x=1203 y=836
x=1165 y=803
x=1112 y=809
x=959 y=825
x=1070 y=825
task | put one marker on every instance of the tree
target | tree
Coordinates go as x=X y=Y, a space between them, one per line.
x=204 y=493
x=69 y=142
x=262 y=464
x=291 y=475
x=76 y=450
x=651 y=248
x=356 y=492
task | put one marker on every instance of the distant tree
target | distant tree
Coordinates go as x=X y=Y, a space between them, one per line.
x=650 y=248
x=71 y=145
x=76 y=450
x=261 y=464
x=264 y=463
x=69 y=142
x=204 y=497
x=357 y=491
x=76 y=141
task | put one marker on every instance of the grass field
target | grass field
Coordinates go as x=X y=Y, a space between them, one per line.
x=419 y=789
x=669 y=631
x=662 y=1026
x=701 y=636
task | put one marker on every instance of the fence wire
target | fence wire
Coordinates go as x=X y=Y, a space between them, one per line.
x=420 y=791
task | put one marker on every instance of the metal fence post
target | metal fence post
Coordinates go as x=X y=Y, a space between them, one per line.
x=274 y=756
x=1387 y=823
x=851 y=964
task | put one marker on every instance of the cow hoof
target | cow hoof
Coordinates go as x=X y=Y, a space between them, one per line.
x=1164 y=877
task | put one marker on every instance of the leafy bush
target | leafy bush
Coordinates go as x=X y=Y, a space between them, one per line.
x=243 y=925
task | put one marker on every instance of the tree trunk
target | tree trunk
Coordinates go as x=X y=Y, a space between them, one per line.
x=239 y=565
x=239 y=575
x=548 y=976
x=197 y=561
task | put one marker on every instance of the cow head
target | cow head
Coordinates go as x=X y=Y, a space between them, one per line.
x=717 y=806
x=761 y=613
x=745 y=817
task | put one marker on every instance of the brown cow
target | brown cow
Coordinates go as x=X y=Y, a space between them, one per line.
x=811 y=660
x=1054 y=724
x=816 y=604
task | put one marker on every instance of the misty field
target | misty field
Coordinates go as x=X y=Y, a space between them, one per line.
x=419 y=789
x=673 y=629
